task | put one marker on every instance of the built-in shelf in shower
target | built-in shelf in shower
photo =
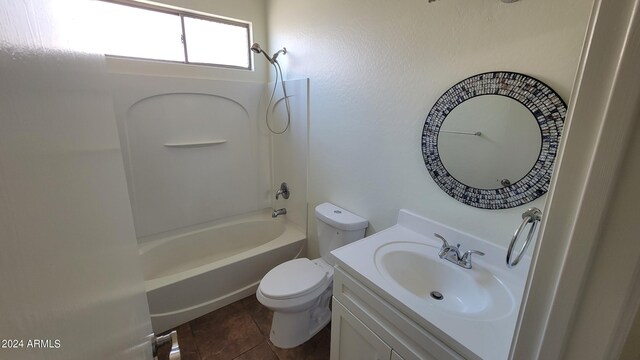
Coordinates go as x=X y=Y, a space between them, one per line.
x=195 y=144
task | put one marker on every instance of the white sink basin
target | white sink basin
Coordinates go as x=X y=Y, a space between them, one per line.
x=479 y=309
x=471 y=293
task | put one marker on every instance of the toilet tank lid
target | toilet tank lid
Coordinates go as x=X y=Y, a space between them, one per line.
x=340 y=218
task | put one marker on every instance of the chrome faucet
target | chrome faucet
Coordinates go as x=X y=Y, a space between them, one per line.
x=278 y=212
x=452 y=253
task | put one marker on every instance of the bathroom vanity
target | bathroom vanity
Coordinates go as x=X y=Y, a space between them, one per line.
x=395 y=298
x=366 y=326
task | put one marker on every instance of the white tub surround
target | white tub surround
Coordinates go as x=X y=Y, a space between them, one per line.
x=193 y=150
x=476 y=318
x=289 y=151
x=190 y=274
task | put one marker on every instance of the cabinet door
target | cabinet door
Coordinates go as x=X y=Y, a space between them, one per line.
x=395 y=356
x=352 y=340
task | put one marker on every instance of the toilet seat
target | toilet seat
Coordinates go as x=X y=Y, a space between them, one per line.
x=294 y=279
x=299 y=291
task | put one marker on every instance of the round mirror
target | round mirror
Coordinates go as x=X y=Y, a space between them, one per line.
x=490 y=140
x=486 y=159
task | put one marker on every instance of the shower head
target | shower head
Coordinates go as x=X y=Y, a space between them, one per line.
x=257 y=49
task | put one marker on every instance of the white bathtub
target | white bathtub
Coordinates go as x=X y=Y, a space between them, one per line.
x=190 y=274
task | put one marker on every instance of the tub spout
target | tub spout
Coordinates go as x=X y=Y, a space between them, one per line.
x=278 y=212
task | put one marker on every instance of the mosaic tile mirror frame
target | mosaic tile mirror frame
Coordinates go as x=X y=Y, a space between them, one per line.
x=545 y=105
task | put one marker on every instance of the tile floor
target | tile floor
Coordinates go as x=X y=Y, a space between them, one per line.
x=240 y=331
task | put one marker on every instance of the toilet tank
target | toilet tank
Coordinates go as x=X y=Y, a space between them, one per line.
x=337 y=227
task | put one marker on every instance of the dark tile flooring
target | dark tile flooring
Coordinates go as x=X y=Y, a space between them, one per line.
x=240 y=331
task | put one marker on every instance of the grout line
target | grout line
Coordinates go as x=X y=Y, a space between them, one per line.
x=193 y=339
x=253 y=318
x=247 y=351
x=255 y=322
x=271 y=347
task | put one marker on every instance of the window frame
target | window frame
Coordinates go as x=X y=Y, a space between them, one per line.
x=184 y=37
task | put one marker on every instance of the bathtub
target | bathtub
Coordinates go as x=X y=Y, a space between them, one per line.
x=200 y=270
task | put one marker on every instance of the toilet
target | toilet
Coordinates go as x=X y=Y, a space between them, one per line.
x=299 y=290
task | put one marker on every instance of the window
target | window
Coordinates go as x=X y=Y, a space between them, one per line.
x=170 y=35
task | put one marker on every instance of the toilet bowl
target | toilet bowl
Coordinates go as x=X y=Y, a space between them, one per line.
x=299 y=291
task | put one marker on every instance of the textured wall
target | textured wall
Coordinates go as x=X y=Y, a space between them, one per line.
x=376 y=67
x=69 y=265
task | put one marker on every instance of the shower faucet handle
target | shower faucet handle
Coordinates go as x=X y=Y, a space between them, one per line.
x=284 y=191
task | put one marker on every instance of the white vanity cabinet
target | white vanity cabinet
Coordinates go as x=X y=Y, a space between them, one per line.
x=354 y=340
x=366 y=327
x=387 y=289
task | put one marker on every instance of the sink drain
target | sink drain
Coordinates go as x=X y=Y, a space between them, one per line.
x=437 y=295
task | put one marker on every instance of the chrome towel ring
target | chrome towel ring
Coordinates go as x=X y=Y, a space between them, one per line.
x=533 y=216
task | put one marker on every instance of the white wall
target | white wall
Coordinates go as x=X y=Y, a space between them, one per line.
x=631 y=350
x=377 y=67
x=69 y=267
x=253 y=11
x=613 y=271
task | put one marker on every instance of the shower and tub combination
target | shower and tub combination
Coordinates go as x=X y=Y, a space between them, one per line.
x=192 y=273
x=201 y=164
